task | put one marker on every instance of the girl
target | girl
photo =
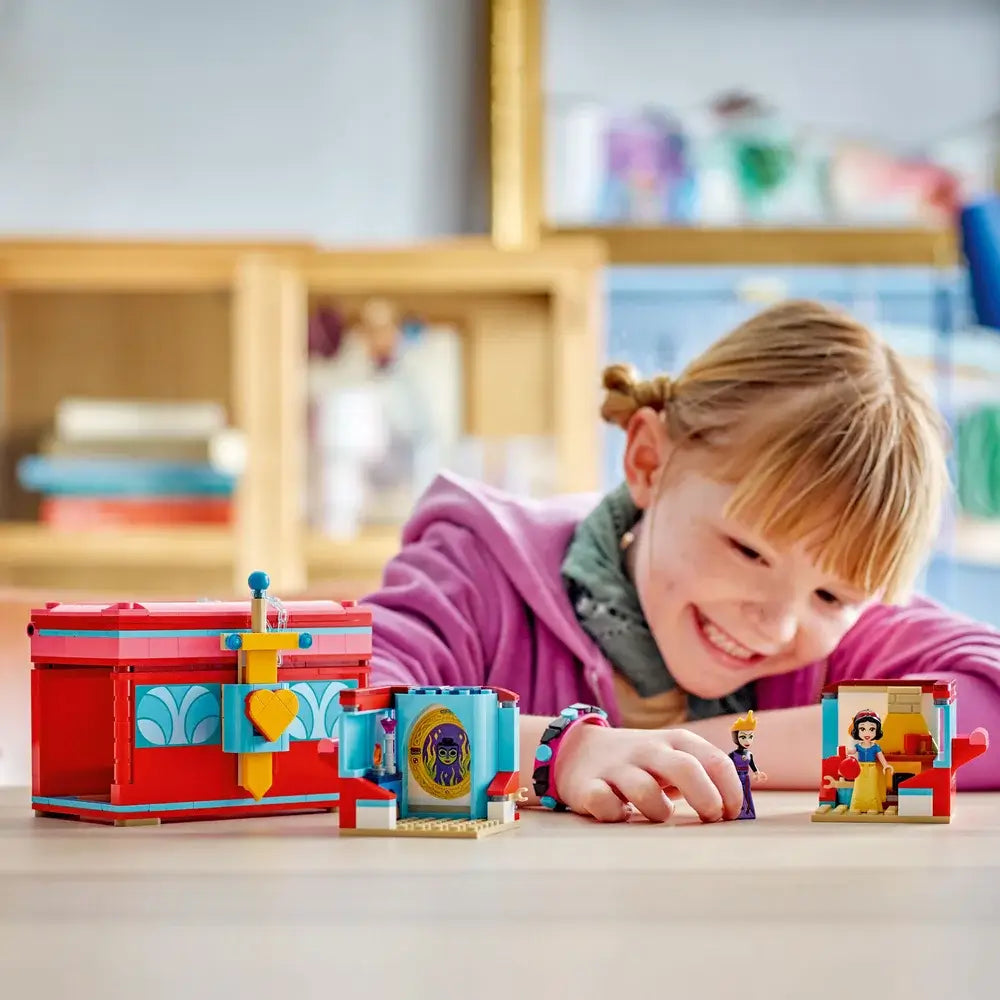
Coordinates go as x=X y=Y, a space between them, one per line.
x=869 y=790
x=778 y=499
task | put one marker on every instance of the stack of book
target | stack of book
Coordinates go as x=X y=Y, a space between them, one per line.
x=112 y=463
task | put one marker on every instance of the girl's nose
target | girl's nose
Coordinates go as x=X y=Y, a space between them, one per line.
x=775 y=621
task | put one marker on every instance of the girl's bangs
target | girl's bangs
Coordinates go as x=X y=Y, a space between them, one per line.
x=855 y=500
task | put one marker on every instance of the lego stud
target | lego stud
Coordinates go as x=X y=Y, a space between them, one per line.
x=305 y=640
x=258 y=582
x=234 y=641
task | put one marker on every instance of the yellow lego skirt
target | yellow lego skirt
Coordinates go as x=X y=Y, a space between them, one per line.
x=869 y=788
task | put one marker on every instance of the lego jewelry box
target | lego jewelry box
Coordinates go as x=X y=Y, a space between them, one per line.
x=891 y=752
x=182 y=711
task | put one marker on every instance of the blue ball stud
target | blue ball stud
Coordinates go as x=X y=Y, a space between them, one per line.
x=234 y=641
x=258 y=582
x=305 y=640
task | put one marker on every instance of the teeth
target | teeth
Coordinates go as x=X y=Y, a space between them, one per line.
x=724 y=642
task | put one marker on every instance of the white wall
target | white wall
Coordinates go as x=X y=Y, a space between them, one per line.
x=905 y=70
x=347 y=120
x=364 y=120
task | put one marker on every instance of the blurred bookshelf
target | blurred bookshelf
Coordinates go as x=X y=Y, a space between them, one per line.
x=751 y=245
x=226 y=324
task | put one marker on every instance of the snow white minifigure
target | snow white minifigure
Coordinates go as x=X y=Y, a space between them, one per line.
x=743 y=730
x=869 y=790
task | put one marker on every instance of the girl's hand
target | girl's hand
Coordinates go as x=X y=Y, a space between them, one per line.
x=760 y=776
x=600 y=771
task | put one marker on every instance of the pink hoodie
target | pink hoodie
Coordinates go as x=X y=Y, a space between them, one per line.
x=475 y=596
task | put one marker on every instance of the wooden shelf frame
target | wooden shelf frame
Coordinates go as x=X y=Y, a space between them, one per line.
x=532 y=322
x=517 y=158
x=536 y=313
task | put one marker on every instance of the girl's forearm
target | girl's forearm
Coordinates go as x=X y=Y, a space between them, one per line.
x=787 y=746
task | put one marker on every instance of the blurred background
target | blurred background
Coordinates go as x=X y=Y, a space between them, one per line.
x=266 y=269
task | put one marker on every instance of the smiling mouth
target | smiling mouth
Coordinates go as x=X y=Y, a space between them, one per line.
x=724 y=642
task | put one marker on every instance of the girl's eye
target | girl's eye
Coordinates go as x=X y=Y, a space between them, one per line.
x=827 y=598
x=752 y=554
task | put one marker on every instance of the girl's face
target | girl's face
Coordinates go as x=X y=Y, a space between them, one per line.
x=745 y=738
x=724 y=605
x=866 y=731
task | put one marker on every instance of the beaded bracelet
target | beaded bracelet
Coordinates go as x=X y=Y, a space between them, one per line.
x=543 y=776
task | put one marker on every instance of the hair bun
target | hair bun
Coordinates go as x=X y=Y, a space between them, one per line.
x=620 y=378
x=625 y=393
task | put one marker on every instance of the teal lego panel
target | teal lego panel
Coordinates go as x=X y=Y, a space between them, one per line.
x=508 y=743
x=177 y=715
x=319 y=709
x=238 y=733
x=831 y=738
x=356 y=744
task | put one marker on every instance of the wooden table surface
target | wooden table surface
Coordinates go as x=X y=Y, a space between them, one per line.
x=562 y=907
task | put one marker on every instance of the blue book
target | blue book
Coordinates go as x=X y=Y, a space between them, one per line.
x=124 y=477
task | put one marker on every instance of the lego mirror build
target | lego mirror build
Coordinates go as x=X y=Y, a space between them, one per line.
x=427 y=761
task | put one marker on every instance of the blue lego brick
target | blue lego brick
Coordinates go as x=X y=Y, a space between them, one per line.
x=947 y=731
x=508 y=744
x=177 y=715
x=238 y=732
x=903 y=790
x=107 y=807
x=190 y=633
x=844 y=796
x=391 y=783
x=831 y=739
x=383 y=803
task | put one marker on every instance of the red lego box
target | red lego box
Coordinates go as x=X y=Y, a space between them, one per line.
x=127 y=708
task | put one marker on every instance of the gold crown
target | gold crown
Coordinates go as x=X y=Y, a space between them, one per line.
x=745 y=724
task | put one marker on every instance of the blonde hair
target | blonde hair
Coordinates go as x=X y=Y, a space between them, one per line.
x=822 y=431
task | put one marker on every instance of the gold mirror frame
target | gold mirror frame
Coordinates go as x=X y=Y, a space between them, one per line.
x=517 y=151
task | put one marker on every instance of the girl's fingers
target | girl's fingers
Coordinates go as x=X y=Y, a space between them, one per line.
x=687 y=774
x=603 y=802
x=643 y=790
x=717 y=765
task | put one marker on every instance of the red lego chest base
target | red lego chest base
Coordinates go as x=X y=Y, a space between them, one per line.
x=119 y=737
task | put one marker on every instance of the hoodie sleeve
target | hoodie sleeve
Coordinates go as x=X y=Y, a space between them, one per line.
x=921 y=641
x=434 y=617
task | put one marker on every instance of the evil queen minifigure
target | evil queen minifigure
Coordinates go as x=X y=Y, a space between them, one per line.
x=743 y=730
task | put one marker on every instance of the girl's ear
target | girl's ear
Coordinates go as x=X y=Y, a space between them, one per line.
x=647 y=448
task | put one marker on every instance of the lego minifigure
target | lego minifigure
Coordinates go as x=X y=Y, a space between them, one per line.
x=743 y=730
x=868 y=794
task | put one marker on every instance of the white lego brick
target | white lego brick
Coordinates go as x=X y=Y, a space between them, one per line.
x=376 y=817
x=916 y=805
x=502 y=811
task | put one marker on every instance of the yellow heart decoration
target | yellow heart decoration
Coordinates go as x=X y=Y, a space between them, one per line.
x=272 y=711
